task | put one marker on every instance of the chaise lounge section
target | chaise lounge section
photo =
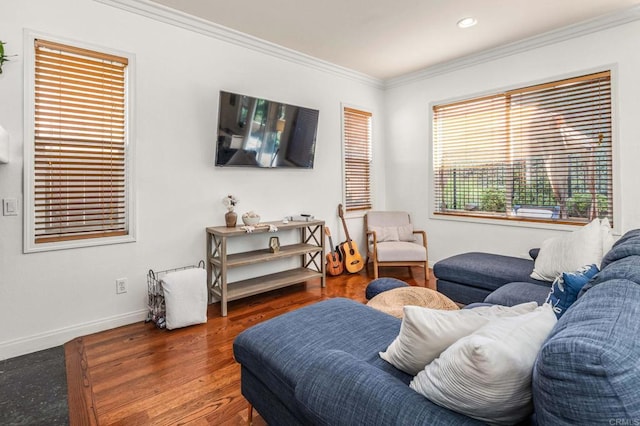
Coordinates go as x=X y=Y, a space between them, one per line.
x=471 y=277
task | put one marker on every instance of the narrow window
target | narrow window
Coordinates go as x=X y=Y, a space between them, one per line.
x=77 y=185
x=539 y=153
x=357 y=158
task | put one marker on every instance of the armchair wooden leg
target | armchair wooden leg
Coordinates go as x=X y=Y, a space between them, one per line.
x=250 y=415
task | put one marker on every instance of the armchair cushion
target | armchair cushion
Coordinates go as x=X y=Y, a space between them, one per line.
x=401 y=251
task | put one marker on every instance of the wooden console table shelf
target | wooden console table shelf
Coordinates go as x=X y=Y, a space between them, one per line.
x=219 y=261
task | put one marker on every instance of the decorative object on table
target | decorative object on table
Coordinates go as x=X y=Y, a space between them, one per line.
x=230 y=218
x=274 y=244
x=250 y=228
x=251 y=218
x=3 y=57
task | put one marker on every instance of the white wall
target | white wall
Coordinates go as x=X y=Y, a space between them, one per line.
x=48 y=298
x=408 y=128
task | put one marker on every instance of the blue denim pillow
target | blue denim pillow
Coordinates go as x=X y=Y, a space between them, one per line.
x=565 y=289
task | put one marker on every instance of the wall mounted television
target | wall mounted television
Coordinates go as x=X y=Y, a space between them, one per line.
x=255 y=132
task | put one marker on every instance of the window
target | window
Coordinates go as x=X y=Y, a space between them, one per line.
x=77 y=187
x=357 y=158
x=540 y=153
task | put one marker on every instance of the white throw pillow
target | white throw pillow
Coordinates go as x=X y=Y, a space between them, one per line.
x=405 y=233
x=385 y=233
x=487 y=375
x=185 y=297
x=425 y=333
x=569 y=252
x=607 y=236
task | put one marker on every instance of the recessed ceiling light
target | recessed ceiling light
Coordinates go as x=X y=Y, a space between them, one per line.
x=467 y=22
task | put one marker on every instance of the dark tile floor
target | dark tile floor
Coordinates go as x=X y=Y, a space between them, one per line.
x=33 y=389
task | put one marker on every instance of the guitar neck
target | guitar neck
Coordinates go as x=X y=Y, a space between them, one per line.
x=346 y=231
x=344 y=225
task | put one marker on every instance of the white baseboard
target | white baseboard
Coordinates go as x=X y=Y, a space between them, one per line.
x=50 y=339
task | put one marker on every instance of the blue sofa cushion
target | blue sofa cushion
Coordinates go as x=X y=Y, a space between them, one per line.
x=565 y=288
x=627 y=245
x=588 y=370
x=621 y=262
x=518 y=292
x=534 y=252
x=484 y=270
x=281 y=349
x=341 y=390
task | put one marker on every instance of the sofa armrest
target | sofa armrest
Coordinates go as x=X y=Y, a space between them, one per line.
x=339 y=389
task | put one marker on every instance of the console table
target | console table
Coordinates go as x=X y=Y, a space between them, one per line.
x=310 y=249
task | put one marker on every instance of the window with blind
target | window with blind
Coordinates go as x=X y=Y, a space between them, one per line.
x=78 y=185
x=539 y=153
x=357 y=158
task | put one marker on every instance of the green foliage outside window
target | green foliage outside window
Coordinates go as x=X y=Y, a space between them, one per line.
x=580 y=204
x=493 y=200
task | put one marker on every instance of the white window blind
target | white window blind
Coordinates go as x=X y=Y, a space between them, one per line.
x=357 y=152
x=79 y=159
x=539 y=153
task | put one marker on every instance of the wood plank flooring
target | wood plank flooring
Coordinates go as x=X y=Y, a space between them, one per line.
x=140 y=375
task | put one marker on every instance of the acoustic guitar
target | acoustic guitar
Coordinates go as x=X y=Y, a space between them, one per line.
x=350 y=255
x=334 y=263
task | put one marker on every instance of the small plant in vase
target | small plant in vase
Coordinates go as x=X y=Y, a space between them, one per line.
x=230 y=217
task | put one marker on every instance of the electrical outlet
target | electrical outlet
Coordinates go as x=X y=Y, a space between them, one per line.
x=121 y=285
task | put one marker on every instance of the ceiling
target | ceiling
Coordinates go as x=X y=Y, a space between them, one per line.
x=389 y=38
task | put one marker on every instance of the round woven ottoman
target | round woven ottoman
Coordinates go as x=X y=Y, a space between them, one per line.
x=393 y=301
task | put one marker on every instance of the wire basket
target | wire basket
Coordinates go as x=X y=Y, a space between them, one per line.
x=155 y=294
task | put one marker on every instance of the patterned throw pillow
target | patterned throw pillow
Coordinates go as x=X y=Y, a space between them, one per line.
x=565 y=289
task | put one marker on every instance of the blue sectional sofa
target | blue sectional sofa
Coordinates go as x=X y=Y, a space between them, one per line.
x=319 y=365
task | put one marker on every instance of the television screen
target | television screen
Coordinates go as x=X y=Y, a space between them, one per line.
x=254 y=132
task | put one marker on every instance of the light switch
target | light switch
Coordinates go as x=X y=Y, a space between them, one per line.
x=10 y=207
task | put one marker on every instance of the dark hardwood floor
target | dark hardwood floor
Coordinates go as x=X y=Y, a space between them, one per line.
x=140 y=375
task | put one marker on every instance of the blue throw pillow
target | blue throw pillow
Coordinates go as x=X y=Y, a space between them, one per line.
x=565 y=289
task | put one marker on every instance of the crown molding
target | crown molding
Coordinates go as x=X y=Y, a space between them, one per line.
x=170 y=16
x=556 y=36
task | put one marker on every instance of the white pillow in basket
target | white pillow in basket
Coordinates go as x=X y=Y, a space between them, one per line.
x=185 y=297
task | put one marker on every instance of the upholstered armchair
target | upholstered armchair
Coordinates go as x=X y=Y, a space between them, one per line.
x=392 y=241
